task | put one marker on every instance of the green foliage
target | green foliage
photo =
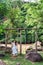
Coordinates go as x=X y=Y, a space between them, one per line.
x=3 y=10
x=22 y=15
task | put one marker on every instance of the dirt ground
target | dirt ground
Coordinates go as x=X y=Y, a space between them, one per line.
x=24 y=46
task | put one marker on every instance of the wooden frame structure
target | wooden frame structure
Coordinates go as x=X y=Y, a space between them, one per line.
x=20 y=35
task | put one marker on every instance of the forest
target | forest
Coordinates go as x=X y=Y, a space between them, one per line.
x=19 y=14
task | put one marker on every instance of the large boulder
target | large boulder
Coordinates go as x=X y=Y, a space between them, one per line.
x=42 y=44
x=2 y=63
x=8 y=50
x=33 y=47
x=30 y=51
x=18 y=63
x=34 y=57
x=38 y=45
x=2 y=55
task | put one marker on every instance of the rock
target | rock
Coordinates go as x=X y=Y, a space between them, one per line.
x=18 y=64
x=38 y=45
x=42 y=44
x=39 y=48
x=28 y=51
x=34 y=57
x=2 y=55
x=2 y=63
x=8 y=50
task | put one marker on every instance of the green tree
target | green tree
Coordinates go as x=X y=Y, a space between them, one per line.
x=3 y=10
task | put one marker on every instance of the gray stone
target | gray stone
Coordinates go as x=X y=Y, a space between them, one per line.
x=18 y=64
x=34 y=57
x=2 y=63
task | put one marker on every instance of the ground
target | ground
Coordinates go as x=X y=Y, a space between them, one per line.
x=21 y=59
x=24 y=47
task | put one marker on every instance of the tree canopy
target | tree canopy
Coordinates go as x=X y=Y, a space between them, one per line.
x=18 y=14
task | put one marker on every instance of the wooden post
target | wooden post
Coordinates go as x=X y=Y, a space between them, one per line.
x=36 y=39
x=20 y=44
x=25 y=39
x=5 y=41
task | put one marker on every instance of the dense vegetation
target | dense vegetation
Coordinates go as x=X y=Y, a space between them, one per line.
x=18 y=14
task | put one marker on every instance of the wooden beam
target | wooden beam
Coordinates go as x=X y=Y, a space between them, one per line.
x=20 y=43
x=5 y=41
x=22 y=28
x=36 y=40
